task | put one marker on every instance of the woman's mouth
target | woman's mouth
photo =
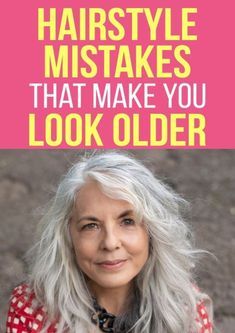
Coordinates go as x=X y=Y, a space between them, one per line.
x=112 y=264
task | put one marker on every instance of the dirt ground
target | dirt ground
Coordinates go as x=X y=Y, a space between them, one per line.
x=205 y=178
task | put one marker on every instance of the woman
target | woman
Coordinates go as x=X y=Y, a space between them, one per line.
x=113 y=255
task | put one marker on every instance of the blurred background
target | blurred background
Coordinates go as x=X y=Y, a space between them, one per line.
x=206 y=178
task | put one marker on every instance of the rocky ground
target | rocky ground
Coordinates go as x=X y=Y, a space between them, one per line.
x=205 y=178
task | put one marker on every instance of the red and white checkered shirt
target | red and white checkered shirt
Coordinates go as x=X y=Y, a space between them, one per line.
x=23 y=318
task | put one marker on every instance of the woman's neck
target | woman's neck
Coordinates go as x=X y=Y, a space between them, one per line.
x=114 y=300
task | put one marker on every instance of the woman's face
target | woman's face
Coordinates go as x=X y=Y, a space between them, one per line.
x=111 y=247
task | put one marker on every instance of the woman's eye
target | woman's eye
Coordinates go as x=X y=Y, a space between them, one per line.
x=90 y=226
x=128 y=222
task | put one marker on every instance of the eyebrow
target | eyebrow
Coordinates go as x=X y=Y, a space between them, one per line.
x=125 y=213
x=88 y=218
x=95 y=219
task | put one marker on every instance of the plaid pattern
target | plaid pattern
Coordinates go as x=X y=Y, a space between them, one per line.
x=203 y=320
x=24 y=318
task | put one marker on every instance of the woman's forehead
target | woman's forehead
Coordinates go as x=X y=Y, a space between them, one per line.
x=91 y=197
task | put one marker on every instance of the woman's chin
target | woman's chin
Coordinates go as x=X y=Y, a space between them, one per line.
x=111 y=282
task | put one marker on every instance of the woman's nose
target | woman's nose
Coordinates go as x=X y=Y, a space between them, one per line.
x=110 y=239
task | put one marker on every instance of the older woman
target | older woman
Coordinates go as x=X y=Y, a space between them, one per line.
x=113 y=255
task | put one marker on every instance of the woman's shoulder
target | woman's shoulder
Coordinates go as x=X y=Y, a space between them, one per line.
x=24 y=314
x=204 y=313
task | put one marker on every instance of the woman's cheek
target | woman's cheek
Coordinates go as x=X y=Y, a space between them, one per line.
x=136 y=241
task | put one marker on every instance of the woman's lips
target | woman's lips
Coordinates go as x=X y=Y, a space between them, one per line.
x=114 y=264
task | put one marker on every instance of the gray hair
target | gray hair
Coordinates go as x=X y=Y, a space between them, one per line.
x=167 y=299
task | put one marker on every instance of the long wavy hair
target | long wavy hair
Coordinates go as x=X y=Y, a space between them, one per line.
x=167 y=298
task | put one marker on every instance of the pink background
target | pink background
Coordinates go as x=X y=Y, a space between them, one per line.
x=22 y=57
